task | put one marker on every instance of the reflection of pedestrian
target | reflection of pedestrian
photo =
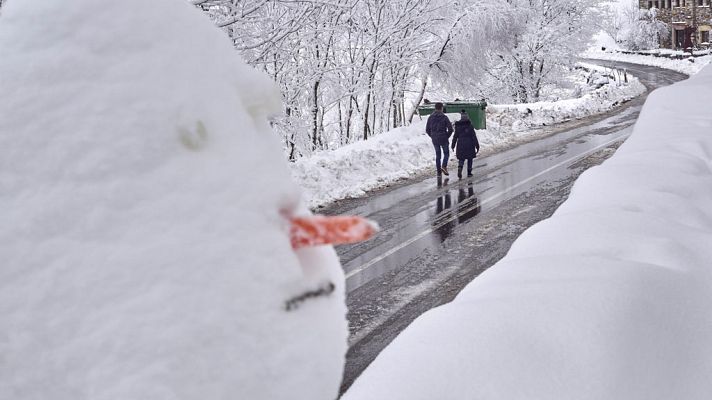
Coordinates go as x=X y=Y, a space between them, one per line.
x=439 y=129
x=468 y=205
x=443 y=222
x=462 y=195
x=440 y=181
x=443 y=203
x=467 y=144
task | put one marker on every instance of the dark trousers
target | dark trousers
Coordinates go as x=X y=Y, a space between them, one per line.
x=461 y=162
x=444 y=146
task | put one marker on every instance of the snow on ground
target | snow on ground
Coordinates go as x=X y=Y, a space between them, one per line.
x=603 y=39
x=510 y=120
x=352 y=170
x=145 y=253
x=607 y=299
x=684 y=66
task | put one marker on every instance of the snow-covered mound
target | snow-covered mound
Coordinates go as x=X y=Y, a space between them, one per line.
x=143 y=238
x=608 y=299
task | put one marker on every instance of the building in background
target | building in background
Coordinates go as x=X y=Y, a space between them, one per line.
x=690 y=21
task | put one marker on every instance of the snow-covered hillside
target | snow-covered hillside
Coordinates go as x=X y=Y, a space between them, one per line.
x=143 y=232
x=607 y=299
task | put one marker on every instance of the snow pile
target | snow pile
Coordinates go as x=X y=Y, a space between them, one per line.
x=144 y=245
x=608 y=93
x=353 y=169
x=607 y=299
x=684 y=66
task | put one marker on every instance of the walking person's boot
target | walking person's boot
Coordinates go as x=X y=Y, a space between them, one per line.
x=459 y=172
x=444 y=169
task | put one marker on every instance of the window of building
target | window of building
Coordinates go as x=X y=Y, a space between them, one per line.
x=679 y=38
x=700 y=2
x=705 y=36
x=677 y=3
x=650 y=5
x=657 y=5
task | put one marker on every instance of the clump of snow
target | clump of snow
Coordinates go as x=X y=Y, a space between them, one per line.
x=353 y=169
x=689 y=66
x=144 y=245
x=607 y=299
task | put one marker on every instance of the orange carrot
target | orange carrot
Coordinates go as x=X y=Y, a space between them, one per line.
x=318 y=230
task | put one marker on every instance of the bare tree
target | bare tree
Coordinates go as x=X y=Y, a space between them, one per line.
x=544 y=41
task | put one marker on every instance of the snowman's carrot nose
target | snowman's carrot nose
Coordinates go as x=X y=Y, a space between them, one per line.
x=317 y=230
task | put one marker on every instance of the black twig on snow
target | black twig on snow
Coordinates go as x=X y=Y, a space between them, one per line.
x=294 y=302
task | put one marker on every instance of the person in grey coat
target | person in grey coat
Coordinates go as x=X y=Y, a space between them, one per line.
x=439 y=129
x=465 y=140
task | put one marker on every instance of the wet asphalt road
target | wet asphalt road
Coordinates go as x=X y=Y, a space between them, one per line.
x=438 y=235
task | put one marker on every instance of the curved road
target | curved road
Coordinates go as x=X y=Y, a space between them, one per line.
x=438 y=235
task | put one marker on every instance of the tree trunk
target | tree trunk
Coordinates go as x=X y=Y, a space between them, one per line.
x=367 y=131
x=315 y=116
x=341 y=123
x=365 y=117
x=290 y=141
x=420 y=99
x=537 y=85
x=322 y=143
x=349 y=115
x=374 y=129
x=402 y=109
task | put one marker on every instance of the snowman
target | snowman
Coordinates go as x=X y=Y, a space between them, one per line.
x=152 y=244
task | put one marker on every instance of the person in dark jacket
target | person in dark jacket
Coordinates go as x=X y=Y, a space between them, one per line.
x=439 y=129
x=467 y=144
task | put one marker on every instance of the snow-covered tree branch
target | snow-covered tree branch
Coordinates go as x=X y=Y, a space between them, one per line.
x=543 y=43
x=350 y=69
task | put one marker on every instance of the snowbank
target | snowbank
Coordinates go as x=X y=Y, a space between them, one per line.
x=145 y=253
x=683 y=66
x=353 y=169
x=512 y=118
x=607 y=299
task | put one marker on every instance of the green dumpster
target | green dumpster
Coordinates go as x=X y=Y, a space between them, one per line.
x=474 y=109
